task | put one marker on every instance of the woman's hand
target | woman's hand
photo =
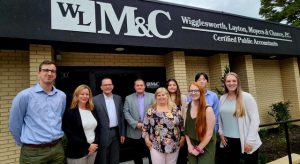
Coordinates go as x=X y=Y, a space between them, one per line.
x=92 y=148
x=181 y=142
x=248 y=148
x=223 y=140
x=192 y=150
x=195 y=152
x=148 y=143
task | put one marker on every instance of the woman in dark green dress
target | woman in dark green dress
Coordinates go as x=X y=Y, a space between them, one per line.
x=199 y=128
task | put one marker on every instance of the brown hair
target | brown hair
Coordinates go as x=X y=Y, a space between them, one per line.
x=201 y=125
x=89 y=104
x=177 y=93
x=46 y=62
x=239 y=108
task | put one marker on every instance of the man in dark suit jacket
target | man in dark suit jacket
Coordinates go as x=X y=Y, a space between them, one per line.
x=109 y=108
x=135 y=108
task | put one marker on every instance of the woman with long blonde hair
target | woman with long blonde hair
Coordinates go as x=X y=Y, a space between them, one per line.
x=199 y=128
x=162 y=130
x=238 y=123
x=80 y=124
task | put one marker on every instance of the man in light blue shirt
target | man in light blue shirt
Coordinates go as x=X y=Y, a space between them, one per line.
x=36 y=118
x=210 y=97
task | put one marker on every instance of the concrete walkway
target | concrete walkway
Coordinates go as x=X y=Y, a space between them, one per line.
x=285 y=160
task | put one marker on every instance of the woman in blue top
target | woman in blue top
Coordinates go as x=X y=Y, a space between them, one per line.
x=238 y=123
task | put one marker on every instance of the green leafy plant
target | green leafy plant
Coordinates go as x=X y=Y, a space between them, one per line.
x=263 y=133
x=280 y=112
x=262 y=158
x=284 y=11
x=220 y=91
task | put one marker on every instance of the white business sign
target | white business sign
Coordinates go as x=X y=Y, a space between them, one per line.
x=80 y=15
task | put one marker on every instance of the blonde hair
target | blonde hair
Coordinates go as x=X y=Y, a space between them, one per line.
x=170 y=103
x=201 y=125
x=89 y=105
x=240 y=106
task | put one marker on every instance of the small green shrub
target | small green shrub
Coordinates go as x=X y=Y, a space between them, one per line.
x=262 y=158
x=220 y=91
x=280 y=112
x=263 y=133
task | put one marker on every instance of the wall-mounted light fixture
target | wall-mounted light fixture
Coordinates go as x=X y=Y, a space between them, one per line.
x=58 y=55
x=119 y=49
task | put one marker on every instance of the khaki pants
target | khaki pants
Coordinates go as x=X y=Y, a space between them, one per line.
x=46 y=155
x=84 y=160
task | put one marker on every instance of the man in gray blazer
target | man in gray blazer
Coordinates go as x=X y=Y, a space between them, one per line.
x=135 y=108
x=109 y=108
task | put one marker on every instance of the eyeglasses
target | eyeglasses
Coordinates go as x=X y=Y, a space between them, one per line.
x=105 y=85
x=194 y=91
x=47 y=70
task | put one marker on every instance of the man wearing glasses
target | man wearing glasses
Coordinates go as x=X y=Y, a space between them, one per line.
x=211 y=98
x=35 y=119
x=109 y=108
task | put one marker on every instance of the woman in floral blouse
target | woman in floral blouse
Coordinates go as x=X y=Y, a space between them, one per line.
x=163 y=127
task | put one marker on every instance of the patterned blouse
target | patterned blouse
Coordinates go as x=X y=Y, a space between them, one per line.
x=164 y=129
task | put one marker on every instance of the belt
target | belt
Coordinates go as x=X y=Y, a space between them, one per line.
x=113 y=128
x=50 y=144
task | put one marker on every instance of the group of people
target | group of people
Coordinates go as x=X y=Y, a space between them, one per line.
x=167 y=126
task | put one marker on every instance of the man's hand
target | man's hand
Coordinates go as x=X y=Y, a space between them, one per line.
x=139 y=125
x=122 y=139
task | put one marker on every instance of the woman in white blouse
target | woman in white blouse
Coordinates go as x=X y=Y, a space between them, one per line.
x=80 y=126
x=238 y=123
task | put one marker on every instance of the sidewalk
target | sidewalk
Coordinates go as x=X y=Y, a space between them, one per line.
x=285 y=160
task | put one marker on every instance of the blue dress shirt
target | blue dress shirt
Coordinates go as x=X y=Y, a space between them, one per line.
x=212 y=100
x=111 y=111
x=36 y=116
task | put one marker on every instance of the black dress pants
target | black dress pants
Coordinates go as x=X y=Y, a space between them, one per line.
x=110 y=154
x=233 y=153
x=139 y=149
